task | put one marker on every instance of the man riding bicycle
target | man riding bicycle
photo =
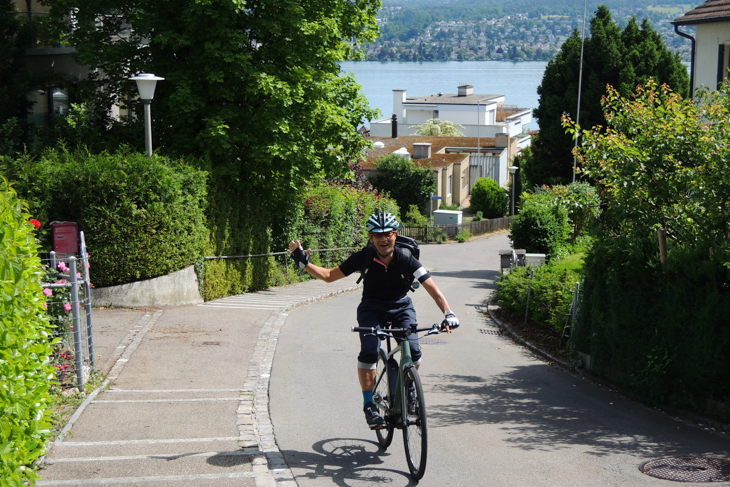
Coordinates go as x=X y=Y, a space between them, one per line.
x=384 y=298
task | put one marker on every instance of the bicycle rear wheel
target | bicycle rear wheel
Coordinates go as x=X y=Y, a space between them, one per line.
x=383 y=400
x=415 y=438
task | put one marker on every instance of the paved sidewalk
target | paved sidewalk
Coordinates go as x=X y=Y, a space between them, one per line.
x=186 y=402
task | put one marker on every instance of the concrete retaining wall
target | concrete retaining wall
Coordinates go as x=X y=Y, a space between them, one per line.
x=175 y=289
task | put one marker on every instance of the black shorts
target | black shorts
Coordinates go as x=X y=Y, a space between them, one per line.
x=381 y=314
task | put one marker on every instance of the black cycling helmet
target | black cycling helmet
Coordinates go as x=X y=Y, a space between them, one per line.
x=382 y=222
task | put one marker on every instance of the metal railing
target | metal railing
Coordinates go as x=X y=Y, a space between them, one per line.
x=68 y=304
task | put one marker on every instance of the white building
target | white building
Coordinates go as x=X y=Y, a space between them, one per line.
x=711 y=44
x=480 y=115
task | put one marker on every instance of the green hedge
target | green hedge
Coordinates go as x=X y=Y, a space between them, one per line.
x=142 y=217
x=661 y=331
x=326 y=216
x=24 y=345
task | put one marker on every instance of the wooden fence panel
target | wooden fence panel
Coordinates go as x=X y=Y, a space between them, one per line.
x=421 y=233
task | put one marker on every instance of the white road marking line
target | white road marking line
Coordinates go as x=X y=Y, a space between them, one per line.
x=165 y=478
x=165 y=456
x=150 y=442
x=201 y=399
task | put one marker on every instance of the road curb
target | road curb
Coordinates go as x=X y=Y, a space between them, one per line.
x=505 y=327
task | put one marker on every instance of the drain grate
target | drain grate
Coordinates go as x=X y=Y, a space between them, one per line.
x=689 y=469
x=486 y=331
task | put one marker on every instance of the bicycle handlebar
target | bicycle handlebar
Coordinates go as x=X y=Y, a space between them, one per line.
x=432 y=330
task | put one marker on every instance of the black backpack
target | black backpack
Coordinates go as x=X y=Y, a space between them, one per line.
x=404 y=245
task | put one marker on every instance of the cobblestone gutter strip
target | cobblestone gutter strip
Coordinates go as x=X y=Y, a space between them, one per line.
x=254 y=420
x=505 y=327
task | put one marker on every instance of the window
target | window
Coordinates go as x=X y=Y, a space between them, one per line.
x=448 y=187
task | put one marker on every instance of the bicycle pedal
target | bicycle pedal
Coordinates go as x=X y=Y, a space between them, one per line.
x=377 y=426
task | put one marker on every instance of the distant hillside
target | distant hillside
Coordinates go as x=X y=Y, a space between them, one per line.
x=491 y=29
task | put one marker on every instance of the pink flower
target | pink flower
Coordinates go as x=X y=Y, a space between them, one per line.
x=78 y=274
x=48 y=292
x=45 y=305
x=62 y=267
x=62 y=281
x=67 y=306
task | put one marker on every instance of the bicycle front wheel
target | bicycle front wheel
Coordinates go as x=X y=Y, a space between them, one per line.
x=383 y=400
x=415 y=438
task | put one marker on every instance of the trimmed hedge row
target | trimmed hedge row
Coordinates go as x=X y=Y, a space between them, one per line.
x=25 y=371
x=660 y=331
x=142 y=217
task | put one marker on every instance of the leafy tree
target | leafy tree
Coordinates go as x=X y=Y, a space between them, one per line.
x=255 y=88
x=663 y=162
x=437 y=127
x=14 y=75
x=621 y=59
x=405 y=182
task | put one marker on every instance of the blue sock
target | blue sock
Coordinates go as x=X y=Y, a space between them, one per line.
x=367 y=396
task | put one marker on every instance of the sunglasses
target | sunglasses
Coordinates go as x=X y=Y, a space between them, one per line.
x=382 y=234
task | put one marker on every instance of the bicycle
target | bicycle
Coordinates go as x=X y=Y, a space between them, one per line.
x=390 y=395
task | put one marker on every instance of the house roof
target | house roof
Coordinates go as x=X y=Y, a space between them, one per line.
x=451 y=99
x=440 y=156
x=710 y=11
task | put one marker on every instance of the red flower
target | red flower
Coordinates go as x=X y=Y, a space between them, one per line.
x=35 y=223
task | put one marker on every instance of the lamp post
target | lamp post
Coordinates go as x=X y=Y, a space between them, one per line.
x=146 y=83
x=512 y=171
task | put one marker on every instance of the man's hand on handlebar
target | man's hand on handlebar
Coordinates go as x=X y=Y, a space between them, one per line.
x=451 y=322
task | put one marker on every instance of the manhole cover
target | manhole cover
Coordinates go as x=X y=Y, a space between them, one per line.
x=689 y=469
x=432 y=341
x=486 y=331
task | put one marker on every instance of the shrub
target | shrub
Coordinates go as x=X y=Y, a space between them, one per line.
x=414 y=217
x=478 y=217
x=489 y=198
x=542 y=226
x=464 y=236
x=142 y=217
x=452 y=207
x=24 y=345
x=551 y=297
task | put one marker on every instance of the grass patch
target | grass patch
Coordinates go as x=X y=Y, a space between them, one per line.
x=65 y=402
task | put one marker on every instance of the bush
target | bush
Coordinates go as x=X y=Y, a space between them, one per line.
x=551 y=297
x=478 y=217
x=142 y=217
x=489 y=198
x=464 y=236
x=542 y=227
x=24 y=345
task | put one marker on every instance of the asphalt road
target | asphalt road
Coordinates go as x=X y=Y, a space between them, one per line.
x=497 y=415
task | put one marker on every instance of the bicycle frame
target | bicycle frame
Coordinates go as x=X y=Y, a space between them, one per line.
x=398 y=408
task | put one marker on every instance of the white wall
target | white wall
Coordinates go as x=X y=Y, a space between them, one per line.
x=709 y=37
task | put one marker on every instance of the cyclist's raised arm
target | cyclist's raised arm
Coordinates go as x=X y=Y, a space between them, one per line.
x=301 y=257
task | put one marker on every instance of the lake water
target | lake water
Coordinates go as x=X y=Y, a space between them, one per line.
x=518 y=81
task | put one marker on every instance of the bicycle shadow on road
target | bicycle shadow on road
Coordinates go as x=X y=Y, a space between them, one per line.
x=483 y=278
x=348 y=462
x=533 y=410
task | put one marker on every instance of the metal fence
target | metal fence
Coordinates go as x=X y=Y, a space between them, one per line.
x=67 y=288
x=427 y=233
